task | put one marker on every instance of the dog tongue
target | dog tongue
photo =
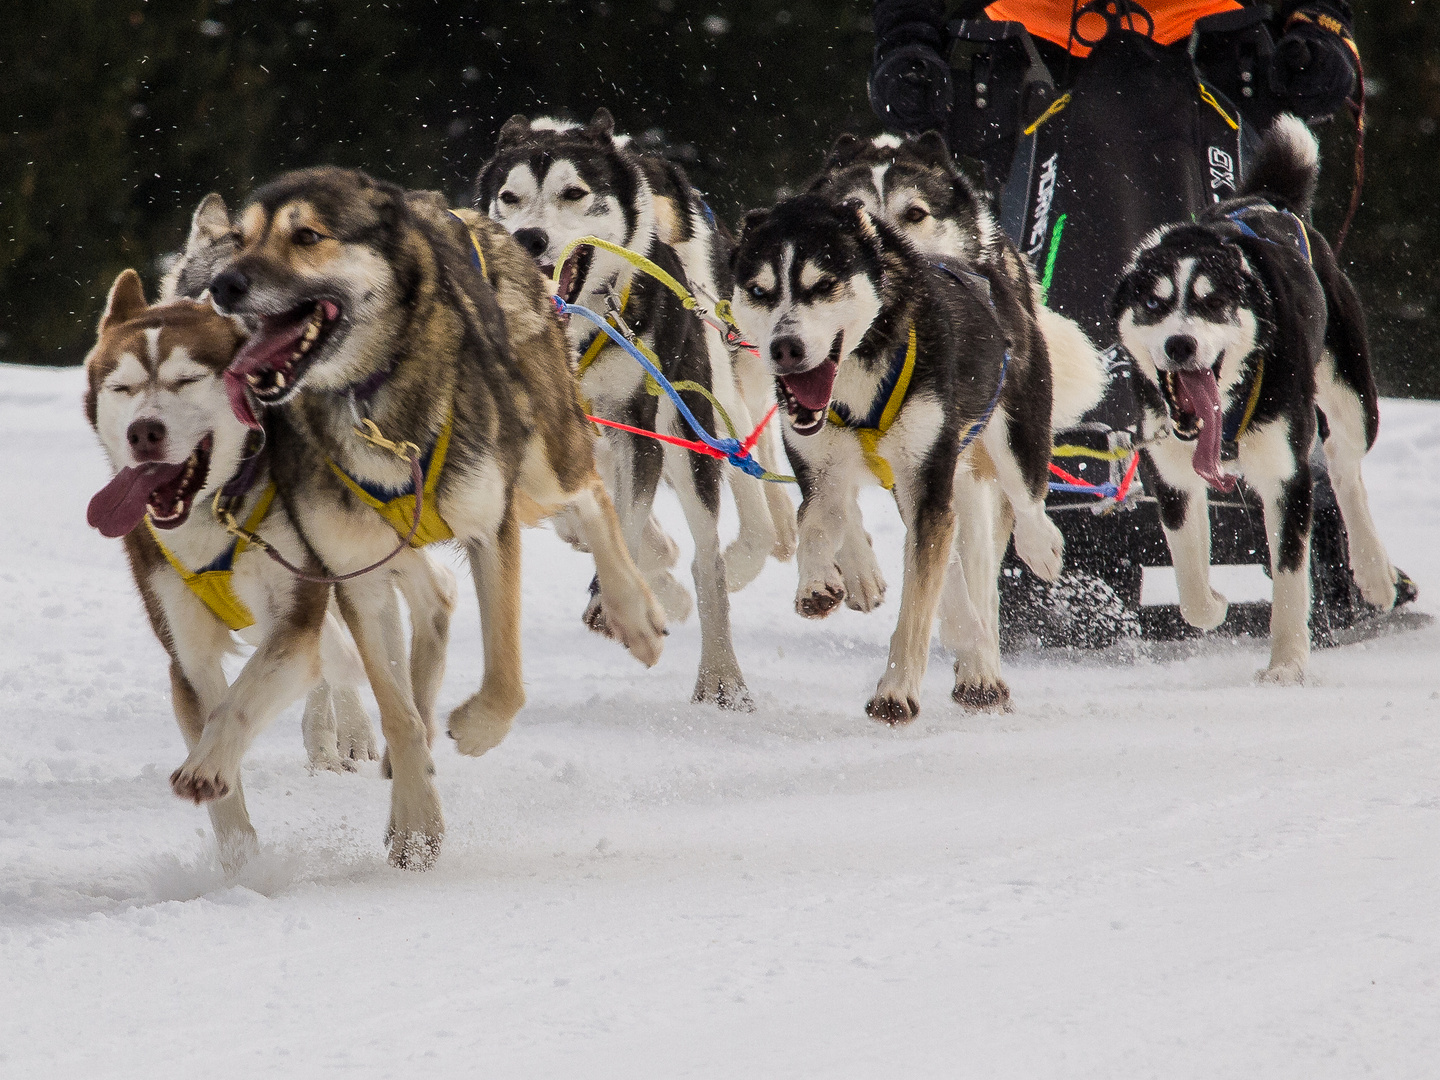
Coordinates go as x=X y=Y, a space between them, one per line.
x=812 y=388
x=240 y=401
x=1197 y=392
x=119 y=505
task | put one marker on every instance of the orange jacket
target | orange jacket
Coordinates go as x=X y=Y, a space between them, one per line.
x=1050 y=19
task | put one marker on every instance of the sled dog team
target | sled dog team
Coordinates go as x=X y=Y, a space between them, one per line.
x=342 y=372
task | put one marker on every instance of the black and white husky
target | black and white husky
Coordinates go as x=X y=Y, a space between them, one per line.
x=888 y=365
x=914 y=186
x=550 y=185
x=1242 y=326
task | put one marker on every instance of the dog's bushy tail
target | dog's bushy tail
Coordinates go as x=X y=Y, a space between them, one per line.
x=1287 y=167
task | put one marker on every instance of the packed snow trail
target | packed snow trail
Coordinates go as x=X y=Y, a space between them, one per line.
x=1151 y=867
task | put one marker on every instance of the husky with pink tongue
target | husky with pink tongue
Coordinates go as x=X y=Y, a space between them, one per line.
x=889 y=368
x=157 y=400
x=1247 y=338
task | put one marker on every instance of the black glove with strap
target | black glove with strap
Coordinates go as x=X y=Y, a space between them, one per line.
x=909 y=80
x=1315 y=63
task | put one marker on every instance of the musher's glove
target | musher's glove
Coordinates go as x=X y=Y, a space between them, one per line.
x=909 y=80
x=910 y=89
x=1313 y=71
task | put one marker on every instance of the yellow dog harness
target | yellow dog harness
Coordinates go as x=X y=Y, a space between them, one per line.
x=212 y=583
x=871 y=431
x=399 y=509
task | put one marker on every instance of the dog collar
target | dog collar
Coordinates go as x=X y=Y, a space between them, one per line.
x=212 y=584
x=600 y=340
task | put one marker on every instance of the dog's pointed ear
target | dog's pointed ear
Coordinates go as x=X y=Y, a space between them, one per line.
x=932 y=150
x=126 y=300
x=847 y=147
x=853 y=213
x=211 y=222
x=512 y=131
x=752 y=220
x=602 y=125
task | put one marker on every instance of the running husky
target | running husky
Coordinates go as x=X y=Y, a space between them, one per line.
x=914 y=186
x=157 y=400
x=888 y=366
x=550 y=186
x=1242 y=325
x=372 y=304
x=427 y=585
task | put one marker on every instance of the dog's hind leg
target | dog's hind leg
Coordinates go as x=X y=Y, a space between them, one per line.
x=372 y=612
x=970 y=602
x=235 y=838
x=1344 y=450
x=630 y=611
x=929 y=533
x=318 y=730
x=484 y=720
x=697 y=481
x=1020 y=453
x=428 y=587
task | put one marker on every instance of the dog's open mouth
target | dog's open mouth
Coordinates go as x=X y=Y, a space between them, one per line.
x=164 y=491
x=1192 y=397
x=573 y=273
x=806 y=394
x=275 y=358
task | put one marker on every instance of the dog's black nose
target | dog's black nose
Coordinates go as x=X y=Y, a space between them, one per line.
x=534 y=241
x=228 y=288
x=787 y=353
x=1180 y=348
x=147 y=440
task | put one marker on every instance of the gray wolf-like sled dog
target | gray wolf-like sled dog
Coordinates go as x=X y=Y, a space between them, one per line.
x=373 y=304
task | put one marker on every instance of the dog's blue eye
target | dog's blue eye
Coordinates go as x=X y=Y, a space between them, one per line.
x=757 y=292
x=1152 y=303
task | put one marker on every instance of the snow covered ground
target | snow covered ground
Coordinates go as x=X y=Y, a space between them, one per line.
x=1152 y=867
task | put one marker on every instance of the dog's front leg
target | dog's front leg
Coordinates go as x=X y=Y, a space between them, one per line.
x=484 y=720
x=757 y=386
x=1185 y=518
x=428 y=587
x=372 y=612
x=631 y=612
x=828 y=511
x=235 y=838
x=970 y=601
x=697 y=482
x=284 y=667
x=1289 y=507
x=929 y=532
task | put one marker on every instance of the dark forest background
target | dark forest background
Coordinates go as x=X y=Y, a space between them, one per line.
x=119 y=116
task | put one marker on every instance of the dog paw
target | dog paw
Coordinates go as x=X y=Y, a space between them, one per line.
x=200 y=781
x=1206 y=616
x=568 y=528
x=674 y=598
x=744 y=559
x=1282 y=673
x=1041 y=545
x=236 y=848
x=416 y=823
x=355 y=738
x=982 y=697
x=478 y=726
x=820 y=598
x=892 y=710
x=787 y=537
x=723 y=691
x=1377 y=585
x=864 y=584
x=326 y=761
